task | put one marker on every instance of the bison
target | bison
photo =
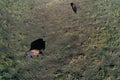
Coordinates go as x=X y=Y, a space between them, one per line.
x=74 y=7
x=36 y=48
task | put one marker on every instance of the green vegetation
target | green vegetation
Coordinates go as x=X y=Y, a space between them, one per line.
x=82 y=46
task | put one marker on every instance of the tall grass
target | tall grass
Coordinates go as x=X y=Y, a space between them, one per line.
x=82 y=46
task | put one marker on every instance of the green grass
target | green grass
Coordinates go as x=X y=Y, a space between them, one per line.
x=82 y=46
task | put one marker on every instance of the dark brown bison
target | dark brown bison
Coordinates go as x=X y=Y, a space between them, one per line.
x=74 y=7
x=36 y=48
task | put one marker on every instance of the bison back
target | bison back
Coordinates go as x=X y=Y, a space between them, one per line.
x=38 y=44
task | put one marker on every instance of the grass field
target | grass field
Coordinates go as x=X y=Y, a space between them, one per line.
x=82 y=46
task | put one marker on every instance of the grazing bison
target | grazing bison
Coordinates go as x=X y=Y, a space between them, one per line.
x=36 y=48
x=73 y=5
